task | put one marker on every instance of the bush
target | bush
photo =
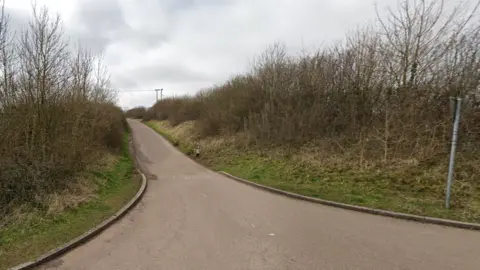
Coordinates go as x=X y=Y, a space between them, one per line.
x=175 y=110
x=379 y=95
x=136 y=113
x=54 y=116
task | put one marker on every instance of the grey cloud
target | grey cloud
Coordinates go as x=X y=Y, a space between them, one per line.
x=185 y=45
x=125 y=83
x=146 y=40
x=102 y=17
x=101 y=23
x=17 y=20
x=95 y=44
x=98 y=23
x=179 y=5
x=175 y=5
x=161 y=73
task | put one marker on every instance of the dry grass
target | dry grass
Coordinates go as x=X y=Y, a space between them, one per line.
x=412 y=188
x=379 y=98
x=60 y=170
x=365 y=121
x=81 y=189
x=57 y=116
x=32 y=231
x=368 y=118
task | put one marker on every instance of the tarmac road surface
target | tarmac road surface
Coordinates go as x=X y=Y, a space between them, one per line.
x=192 y=218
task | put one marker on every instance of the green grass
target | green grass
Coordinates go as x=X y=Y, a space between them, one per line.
x=160 y=131
x=414 y=190
x=185 y=146
x=40 y=232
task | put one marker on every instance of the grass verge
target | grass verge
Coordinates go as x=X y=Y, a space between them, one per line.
x=115 y=185
x=413 y=190
x=181 y=142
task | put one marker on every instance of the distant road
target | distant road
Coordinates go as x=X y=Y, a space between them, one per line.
x=191 y=218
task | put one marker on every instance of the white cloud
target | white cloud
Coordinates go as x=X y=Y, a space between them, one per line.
x=184 y=45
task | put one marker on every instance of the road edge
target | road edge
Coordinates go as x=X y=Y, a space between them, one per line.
x=374 y=211
x=422 y=219
x=85 y=237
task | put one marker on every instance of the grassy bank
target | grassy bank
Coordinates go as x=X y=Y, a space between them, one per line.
x=112 y=183
x=413 y=189
x=179 y=137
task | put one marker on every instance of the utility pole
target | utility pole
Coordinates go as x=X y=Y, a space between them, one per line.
x=161 y=93
x=456 y=102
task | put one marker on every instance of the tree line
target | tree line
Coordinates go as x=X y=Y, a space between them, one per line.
x=381 y=95
x=57 y=111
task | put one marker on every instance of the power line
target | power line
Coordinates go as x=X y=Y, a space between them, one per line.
x=144 y=90
x=124 y=91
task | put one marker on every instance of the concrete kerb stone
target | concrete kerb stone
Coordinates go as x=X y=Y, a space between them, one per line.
x=416 y=218
x=423 y=219
x=52 y=254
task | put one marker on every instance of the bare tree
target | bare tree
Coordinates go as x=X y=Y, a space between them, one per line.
x=418 y=34
x=82 y=69
x=56 y=111
x=6 y=60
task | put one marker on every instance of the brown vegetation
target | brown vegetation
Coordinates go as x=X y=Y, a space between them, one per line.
x=378 y=99
x=56 y=112
x=136 y=113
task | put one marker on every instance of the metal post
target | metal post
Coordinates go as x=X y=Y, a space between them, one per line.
x=197 y=150
x=453 y=107
x=452 y=151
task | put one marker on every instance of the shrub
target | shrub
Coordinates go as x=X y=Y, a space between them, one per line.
x=136 y=113
x=56 y=113
x=380 y=94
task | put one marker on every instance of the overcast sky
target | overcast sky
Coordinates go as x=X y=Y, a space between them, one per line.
x=185 y=45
